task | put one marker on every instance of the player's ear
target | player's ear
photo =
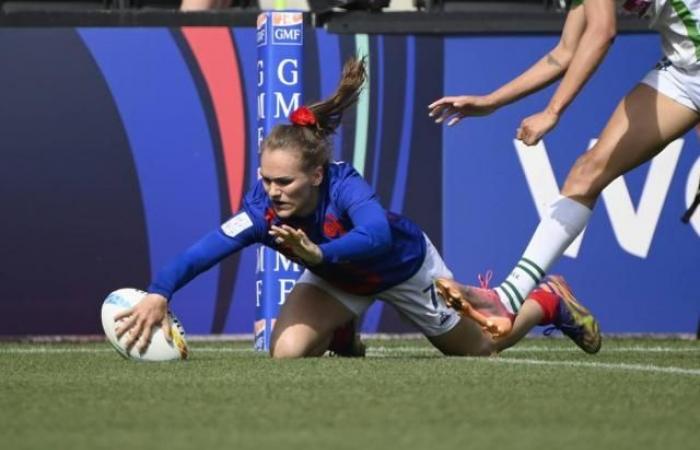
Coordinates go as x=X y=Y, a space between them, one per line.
x=317 y=176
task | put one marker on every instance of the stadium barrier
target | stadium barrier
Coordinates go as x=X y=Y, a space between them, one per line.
x=125 y=137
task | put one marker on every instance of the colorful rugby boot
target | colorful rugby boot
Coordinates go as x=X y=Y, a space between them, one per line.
x=480 y=304
x=571 y=317
x=346 y=341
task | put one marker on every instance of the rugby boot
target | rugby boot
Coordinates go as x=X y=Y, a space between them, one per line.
x=572 y=318
x=480 y=304
x=346 y=341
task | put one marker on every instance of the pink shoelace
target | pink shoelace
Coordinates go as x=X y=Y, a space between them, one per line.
x=485 y=279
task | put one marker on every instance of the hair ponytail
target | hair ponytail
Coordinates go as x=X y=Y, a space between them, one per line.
x=329 y=112
x=313 y=125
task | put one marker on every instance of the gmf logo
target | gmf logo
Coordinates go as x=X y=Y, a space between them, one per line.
x=287 y=28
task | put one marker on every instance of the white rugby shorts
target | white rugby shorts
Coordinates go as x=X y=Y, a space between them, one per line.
x=682 y=85
x=415 y=298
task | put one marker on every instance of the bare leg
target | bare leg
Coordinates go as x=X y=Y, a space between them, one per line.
x=468 y=339
x=465 y=339
x=306 y=322
x=643 y=123
x=458 y=296
x=529 y=317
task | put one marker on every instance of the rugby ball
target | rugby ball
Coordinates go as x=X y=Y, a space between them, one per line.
x=159 y=349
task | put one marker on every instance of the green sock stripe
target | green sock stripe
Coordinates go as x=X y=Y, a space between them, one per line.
x=534 y=266
x=529 y=272
x=515 y=291
x=511 y=297
x=513 y=305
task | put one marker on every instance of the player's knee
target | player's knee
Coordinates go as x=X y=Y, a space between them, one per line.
x=286 y=347
x=587 y=178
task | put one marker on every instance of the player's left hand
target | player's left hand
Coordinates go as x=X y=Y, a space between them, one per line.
x=534 y=127
x=298 y=242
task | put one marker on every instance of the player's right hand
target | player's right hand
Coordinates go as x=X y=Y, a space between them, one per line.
x=452 y=109
x=138 y=321
x=299 y=243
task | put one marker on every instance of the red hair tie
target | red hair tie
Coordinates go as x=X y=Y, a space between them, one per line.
x=302 y=116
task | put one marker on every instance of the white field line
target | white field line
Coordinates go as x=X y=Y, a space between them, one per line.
x=598 y=365
x=542 y=349
x=378 y=350
x=388 y=351
x=42 y=339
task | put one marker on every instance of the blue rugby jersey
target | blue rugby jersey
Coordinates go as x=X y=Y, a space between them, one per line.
x=366 y=249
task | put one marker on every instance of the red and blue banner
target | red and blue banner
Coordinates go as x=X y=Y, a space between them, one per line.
x=122 y=146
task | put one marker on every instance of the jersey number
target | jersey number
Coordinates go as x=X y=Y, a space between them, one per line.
x=433 y=295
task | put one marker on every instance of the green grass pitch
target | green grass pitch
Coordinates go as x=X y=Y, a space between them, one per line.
x=545 y=393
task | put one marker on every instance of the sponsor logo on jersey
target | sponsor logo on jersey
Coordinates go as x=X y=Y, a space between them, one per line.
x=332 y=227
x=237 y=224
x=444 y=317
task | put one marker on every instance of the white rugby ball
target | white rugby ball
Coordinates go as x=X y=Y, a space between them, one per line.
x=159 y=349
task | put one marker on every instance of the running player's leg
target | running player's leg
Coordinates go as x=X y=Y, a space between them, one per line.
x=306 y=322
x=643 y=123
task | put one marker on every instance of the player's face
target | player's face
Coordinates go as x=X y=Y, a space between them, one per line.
x=292 y=190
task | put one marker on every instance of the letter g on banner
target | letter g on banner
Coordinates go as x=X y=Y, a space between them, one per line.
x=287 y=72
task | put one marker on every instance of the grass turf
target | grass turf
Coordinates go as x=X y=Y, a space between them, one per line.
x=635 y=394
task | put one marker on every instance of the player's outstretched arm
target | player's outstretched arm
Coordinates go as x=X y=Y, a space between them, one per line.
x=152 y=311
x=597 y=37
x=548 y=69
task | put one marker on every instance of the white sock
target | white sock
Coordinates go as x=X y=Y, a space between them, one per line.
x=564 y=220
